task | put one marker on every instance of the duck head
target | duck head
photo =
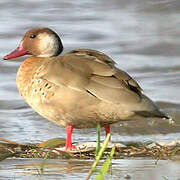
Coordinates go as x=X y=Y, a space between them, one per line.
x=40 y=42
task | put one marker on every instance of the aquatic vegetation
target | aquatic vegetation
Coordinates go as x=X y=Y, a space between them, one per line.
x=99 y=155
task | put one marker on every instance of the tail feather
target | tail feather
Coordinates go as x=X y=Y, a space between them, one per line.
x=155 y=113
x=149 y=109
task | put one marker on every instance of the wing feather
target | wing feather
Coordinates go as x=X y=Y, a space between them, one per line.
x=93 y=72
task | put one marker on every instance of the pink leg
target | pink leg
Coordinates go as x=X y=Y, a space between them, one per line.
x=68 y=145
x=107 y=129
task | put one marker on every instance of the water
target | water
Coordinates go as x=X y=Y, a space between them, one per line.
x=78 y=169
x=143 y=37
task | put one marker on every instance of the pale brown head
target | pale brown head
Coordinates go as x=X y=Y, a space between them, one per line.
x=40 y=42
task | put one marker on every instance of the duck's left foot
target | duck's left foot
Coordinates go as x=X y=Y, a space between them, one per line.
x=67 y=149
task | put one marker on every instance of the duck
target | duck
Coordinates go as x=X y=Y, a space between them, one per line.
x=78 y=89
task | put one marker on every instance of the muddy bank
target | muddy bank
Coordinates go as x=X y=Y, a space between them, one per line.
x=49 y=150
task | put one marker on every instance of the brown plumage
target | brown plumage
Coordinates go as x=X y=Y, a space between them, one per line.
x=78 y=89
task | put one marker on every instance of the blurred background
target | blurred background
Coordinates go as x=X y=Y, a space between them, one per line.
x=143 y=37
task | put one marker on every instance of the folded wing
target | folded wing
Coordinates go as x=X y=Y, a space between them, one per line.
x=95 y=73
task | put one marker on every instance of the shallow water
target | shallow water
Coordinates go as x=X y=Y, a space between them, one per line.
x=143 y=37
x=78 y=169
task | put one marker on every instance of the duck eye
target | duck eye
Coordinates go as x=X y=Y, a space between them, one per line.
x=32 y=36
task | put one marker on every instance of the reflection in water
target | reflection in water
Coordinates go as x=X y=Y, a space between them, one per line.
x=143 y=37
x=54 y=167
x=78 y=169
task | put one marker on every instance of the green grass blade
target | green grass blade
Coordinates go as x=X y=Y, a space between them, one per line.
x=43 y=163
x=106 y=165
x=99 y=155
x=98 y=138
x=52 y=143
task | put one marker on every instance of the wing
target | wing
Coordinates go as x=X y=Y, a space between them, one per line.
x=92 y=72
